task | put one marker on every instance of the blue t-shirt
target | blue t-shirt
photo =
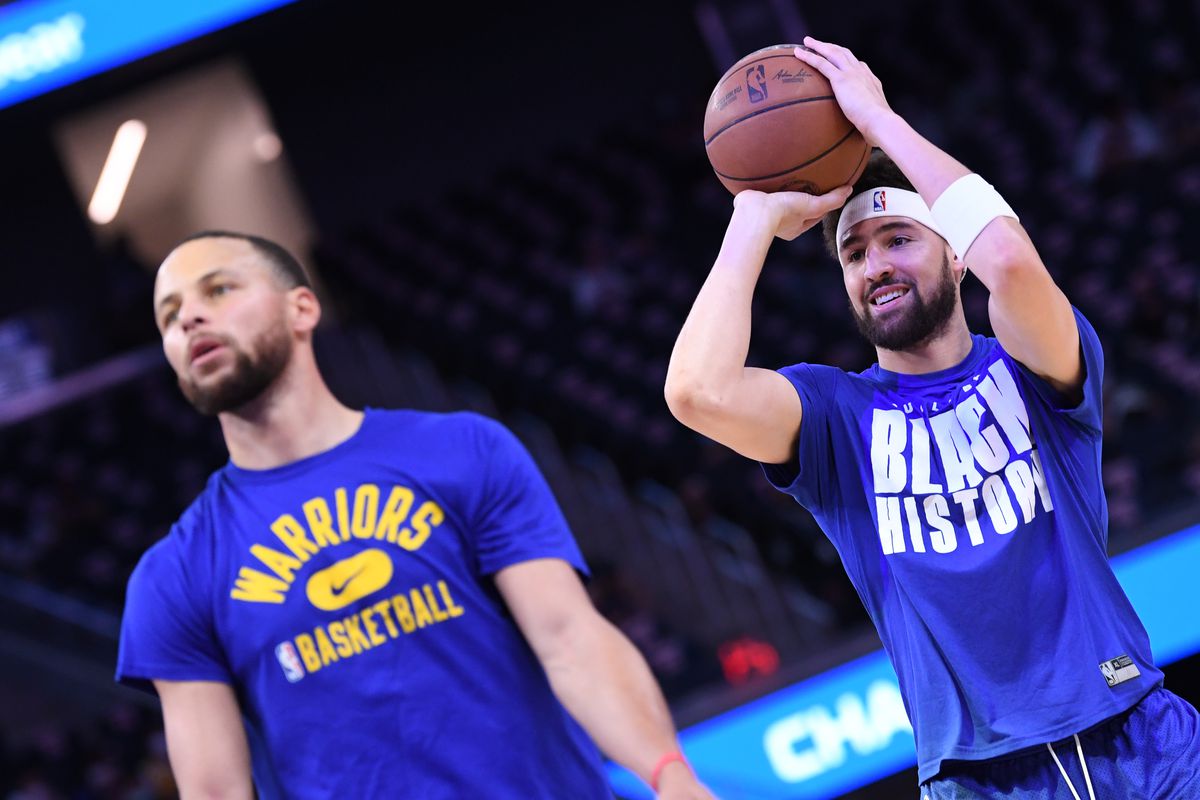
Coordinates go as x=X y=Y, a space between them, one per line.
x=968 y=509
x=346 y=597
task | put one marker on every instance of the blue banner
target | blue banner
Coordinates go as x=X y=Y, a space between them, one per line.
x=846 y=728
x=45 y=44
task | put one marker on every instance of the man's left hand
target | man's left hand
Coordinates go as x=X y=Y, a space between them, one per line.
x=859 y=93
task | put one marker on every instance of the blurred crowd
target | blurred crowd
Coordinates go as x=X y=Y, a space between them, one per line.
x=119 y=757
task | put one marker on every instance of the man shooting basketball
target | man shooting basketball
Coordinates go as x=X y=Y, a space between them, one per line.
x=367 y=605
x=959 y=477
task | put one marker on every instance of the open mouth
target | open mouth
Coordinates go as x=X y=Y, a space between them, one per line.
x=204 y=350
x=888 y=295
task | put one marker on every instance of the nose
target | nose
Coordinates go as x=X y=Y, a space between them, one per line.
x=191 y=314
x=878 y=266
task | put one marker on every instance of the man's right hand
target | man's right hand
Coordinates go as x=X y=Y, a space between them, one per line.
x=790 y=213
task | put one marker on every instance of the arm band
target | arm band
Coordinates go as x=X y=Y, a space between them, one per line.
x=662 y=762
x=965 y=208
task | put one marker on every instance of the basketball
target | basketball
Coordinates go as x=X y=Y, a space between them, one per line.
x=772 y=124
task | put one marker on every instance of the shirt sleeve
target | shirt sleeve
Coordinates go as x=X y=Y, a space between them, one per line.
x=803 y=477
x=1088 y=412
x=167 y=629
x=515 y=517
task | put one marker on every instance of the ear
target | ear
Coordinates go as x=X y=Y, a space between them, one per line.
x=957 y=266
x=304 y=309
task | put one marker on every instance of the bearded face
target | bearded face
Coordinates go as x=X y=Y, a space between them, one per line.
x=921 y=318
x=245 y=379
x=225 y=321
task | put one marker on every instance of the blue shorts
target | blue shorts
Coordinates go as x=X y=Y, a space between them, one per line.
x=1151 y=752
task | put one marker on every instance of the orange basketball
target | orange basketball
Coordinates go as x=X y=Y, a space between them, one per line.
x=772 y=124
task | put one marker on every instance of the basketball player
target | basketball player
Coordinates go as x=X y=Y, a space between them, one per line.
x=959 y=477
x=371 y=605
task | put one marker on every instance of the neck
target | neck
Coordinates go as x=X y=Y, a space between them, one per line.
x=296 y=417
x=945 y=349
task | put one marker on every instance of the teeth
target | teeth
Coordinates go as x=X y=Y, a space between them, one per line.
x=884 y=299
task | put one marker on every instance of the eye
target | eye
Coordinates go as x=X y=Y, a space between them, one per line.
x=170 y=317
x=853 y=256
x=897 y=241
x=218 y=289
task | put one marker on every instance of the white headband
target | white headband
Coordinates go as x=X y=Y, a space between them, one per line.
x=885 y=201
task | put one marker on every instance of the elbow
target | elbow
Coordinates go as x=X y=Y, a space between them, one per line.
x=1009 y=261
x=679 y=397
x=689 y=401
x=1012 y=277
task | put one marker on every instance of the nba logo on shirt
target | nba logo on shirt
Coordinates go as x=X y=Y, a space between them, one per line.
x=879 y=200
x=293 y=670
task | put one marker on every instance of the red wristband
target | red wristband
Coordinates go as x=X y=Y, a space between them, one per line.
x=662 y=762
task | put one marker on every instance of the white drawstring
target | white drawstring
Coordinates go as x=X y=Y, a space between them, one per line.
x=1086 y=777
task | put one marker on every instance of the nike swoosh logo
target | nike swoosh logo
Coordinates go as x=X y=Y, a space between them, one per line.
x=350 y=579
x=337 y=588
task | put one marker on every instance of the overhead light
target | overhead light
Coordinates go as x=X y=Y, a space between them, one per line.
x=114 y=178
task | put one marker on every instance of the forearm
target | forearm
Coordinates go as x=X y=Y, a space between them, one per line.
x=206 y=741
x=710 y=353
x=1029 y=313
x=1002 y=257
x=606 y=685
x=202 y=777
x=930 y=168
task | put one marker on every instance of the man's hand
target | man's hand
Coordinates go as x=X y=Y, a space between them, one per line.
x=858 y=91
x=790 y=214
x=677 y=782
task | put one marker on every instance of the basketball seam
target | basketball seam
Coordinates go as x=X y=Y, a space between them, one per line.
x=818 y=157
x=740 y=120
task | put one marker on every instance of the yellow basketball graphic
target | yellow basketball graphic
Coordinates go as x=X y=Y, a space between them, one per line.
x=349 y=579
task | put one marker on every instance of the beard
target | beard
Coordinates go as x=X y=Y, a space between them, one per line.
x=925 y=320
x=248 y=379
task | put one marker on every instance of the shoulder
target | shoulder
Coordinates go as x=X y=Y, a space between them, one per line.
x=437 y=423
x=823 y=382
x=161 y=573
x=814 y=373
x=450 y=435
x=191 y=533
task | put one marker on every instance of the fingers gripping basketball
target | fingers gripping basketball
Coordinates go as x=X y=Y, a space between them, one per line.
x=773 y=124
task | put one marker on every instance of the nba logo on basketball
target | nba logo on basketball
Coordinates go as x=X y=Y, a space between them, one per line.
x=879 y=200
x=756 y=83
x=293 y=670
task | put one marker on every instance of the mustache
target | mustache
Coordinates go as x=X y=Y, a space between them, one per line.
x=874 y=287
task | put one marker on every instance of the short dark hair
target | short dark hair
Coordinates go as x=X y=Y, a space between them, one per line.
x=285 y=265
x=880 y=171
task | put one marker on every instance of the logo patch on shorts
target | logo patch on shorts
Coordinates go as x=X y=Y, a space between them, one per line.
x=1119 y=670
